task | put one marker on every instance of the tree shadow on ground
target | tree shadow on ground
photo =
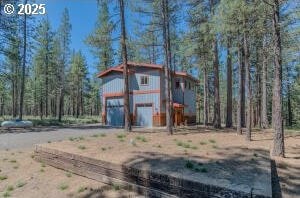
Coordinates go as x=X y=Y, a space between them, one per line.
x=241 y=169
x=106 y=190
x=289 y=177
x=238 y=168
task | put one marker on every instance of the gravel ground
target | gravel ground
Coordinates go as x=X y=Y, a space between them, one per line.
x=21 y=138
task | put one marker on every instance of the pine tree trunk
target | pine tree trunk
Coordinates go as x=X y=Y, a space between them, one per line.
x=229 y=86
x=127 y=126
x=14 y=103
x=248 y=88
x=258 y=91
x=205 y=105
x=77 y=97
x=23 y=65
x=47 y=78
x=243 y=111
x=217 y=113
x=240 y=93
x=60 y=101
x=1 y=106
x=169 y=56
x=278 y=148
x=289 y=107
x=167 y=73
x=264 y=108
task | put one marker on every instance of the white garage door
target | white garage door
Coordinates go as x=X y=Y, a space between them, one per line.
x=144 y=115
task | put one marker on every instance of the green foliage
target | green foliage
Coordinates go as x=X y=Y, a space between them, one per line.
x=212 y=141
x=121 y=135
x=10 y=188
x=141 y=138
x=196 y=167
x=116 y=187
x=3 y=177
x=68 y=174
x=63 y=186
x=81 y=189
x=20 y=184
x=81 y=147
x=189 y=165
x=6 y=194
x=101 y=38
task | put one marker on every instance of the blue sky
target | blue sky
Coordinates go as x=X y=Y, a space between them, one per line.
x=83 y=15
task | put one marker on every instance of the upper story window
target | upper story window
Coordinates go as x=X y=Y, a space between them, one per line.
x=177 y=84
x=144 y=80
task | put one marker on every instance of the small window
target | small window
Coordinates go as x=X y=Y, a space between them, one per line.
x=185 y=84
x=189 y=85
x=144 y=80
x=177 y=84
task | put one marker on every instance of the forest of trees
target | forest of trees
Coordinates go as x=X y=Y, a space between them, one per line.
x=244 y=52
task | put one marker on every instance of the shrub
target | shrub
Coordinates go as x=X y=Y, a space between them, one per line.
x=81 y=138
x=71 y=138
x=6 y=194
x=141 y=138
x=3 y=177
x=63 y=186
x=116 y=187
x=194 y=147
x=212 y=141
x=186 y=145
x=81 y=147
x=9 y=188
x=189 y=165
x=20 y=184
x=81 y=189
x=121 y=135
x=68 y=174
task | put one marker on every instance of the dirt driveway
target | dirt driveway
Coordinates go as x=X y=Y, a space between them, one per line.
x=27 y=138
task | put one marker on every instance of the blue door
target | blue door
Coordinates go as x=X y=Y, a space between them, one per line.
x=144 y=115
x=115 y=112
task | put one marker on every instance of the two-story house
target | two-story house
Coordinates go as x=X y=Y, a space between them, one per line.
x=147 y=95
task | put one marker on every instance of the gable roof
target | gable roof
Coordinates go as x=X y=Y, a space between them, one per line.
x=119 y=68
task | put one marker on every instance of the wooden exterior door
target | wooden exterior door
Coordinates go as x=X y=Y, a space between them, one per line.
x=178 y=115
